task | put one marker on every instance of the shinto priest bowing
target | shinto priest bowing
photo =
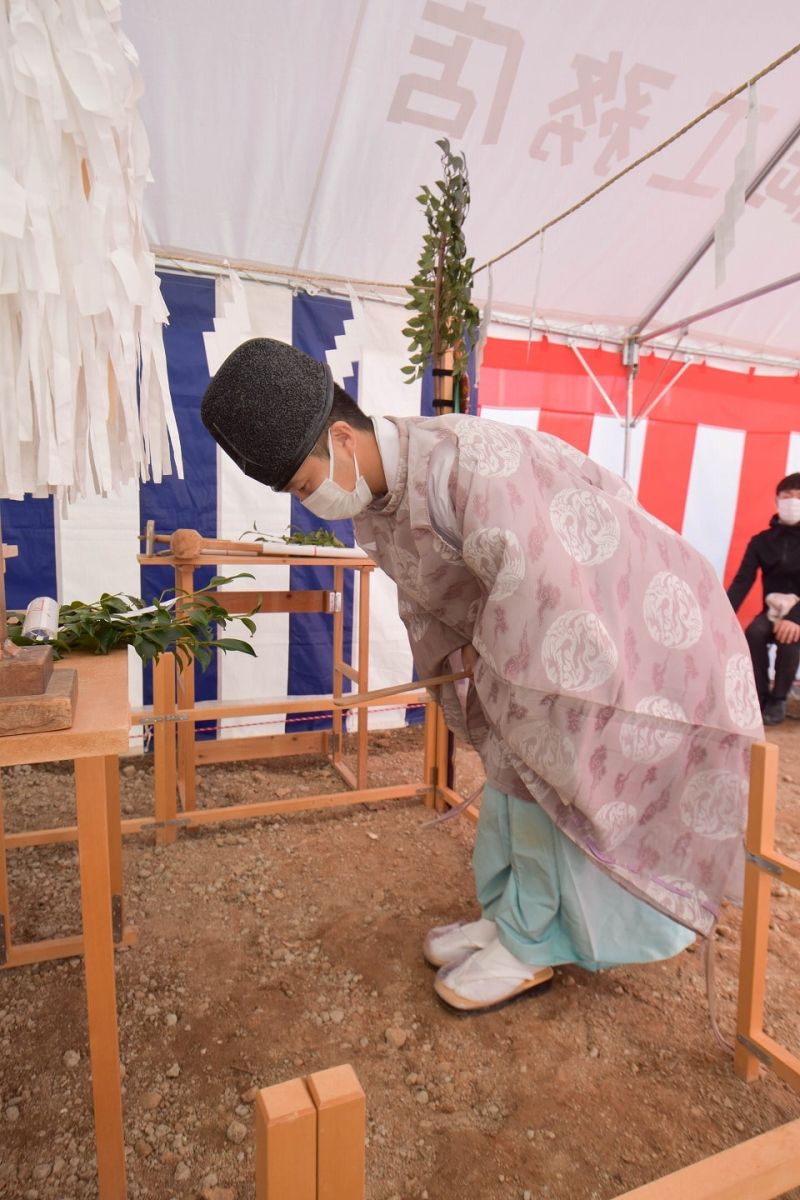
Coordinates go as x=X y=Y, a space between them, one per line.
x=611 y=701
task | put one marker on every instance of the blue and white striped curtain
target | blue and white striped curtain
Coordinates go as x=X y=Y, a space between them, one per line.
x=92 y=547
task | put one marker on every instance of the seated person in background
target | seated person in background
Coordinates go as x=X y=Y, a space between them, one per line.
x=776 y=553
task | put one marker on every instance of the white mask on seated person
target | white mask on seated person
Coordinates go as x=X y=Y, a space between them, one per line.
x=789 y=510
x=332 y=502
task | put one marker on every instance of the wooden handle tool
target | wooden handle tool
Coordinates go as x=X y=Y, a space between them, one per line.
x=398 y=689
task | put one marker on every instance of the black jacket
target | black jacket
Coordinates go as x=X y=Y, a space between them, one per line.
x=776 y=553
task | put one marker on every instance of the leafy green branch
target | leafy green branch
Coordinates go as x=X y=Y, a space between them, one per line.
x=296 y=537
x=184 y=624
x=441 y=291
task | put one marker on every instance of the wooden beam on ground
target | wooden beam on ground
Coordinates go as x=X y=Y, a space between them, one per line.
x=760 y=1169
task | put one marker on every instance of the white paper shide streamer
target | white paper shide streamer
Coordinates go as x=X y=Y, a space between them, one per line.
x=232 y=323
x=348 y=345
x=733 y=208
x=84 y=397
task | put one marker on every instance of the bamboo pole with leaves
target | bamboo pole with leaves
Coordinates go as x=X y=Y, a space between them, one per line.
x=445 y=322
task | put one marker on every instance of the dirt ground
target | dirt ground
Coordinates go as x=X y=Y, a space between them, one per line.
x=274 y=948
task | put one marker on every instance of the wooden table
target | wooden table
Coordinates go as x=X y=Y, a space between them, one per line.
x=97 y=737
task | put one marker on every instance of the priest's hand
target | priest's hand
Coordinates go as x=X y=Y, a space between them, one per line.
x=787 y=632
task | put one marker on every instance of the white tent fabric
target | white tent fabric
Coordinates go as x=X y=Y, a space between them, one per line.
x=296 y=134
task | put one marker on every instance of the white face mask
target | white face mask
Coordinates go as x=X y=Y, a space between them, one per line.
x=789 y=510
x=332 y=502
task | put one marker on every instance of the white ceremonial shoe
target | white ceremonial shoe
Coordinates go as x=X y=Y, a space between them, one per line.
x=486 y=978
x=445 y=943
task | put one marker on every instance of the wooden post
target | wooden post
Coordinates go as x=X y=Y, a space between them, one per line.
x=363 y=673
x=429 y=753
x=3 y=625
x=98 y=948
x=286 y=1143
x=341 y=1119
x=443 y=401
x=442 y=759
x=5 y=910
x=187 y=753
x=759 y=840
x=114 y=821
x=337 y=721
x=164 y=749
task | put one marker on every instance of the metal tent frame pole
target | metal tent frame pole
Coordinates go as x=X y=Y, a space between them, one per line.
x=708 y=241
x=716 y=308
x=637 y=337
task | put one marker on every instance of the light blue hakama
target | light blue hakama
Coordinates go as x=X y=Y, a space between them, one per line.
x=551 y=904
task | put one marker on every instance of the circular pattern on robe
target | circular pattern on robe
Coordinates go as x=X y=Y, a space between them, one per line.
x=740 y=692
x=543 y=749
x=686 y=903
x=555 y=445
x=627 y=495
x=671 y=612
x=644 y=737
x=585 y=525
x=613 y=822
x=496 y=557
x=486 y=448
x=577 y=651
x=714 y=804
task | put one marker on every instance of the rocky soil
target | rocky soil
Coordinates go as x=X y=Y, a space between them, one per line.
x=274 y=948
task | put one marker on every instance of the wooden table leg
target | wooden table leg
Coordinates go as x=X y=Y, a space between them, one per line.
x=5 y=912
x=101 y=1003
x=114 y=819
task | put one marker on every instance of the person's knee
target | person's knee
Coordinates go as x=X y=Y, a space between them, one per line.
x=759 y=632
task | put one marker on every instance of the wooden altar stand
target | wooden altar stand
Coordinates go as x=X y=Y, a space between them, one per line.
x=98 y=735
x=175 y=712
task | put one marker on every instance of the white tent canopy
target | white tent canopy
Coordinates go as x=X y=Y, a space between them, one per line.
x=295 y=134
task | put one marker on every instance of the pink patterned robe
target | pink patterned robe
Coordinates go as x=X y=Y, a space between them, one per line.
x=614 y=684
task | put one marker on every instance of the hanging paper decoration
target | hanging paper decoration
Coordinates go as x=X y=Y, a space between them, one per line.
x=232 y=327
x=344 y=359
x=84 y=395
x=733 y=208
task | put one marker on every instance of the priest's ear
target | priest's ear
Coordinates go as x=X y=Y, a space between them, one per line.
x=343 y=436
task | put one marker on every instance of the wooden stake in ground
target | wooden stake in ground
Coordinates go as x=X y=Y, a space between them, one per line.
x=286 y=1143
x=341 y=1129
